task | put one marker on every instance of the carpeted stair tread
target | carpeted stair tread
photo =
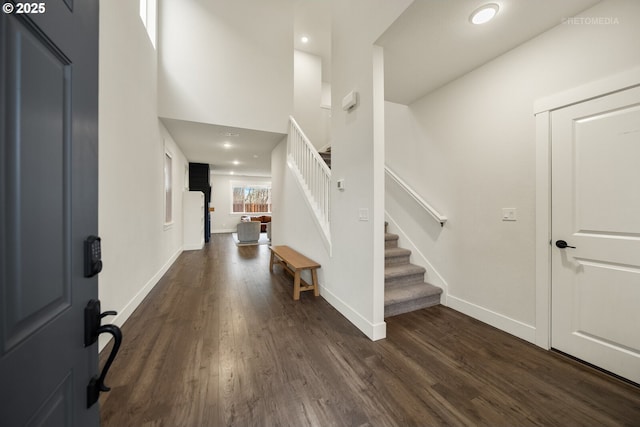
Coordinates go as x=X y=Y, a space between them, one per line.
x=390 y=240
x=404 y=287
x=410 y=298
x=391 y=236
x=394 y=271
x=396 y=252
x=395 y=256
x=402 y=274
x=406 y=293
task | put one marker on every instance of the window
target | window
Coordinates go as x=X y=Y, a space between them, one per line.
x=251 y=198
x=148 y=17
x=168 y=189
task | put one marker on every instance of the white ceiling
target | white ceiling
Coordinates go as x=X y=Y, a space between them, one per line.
x=204 y=143
x=312 y=18
x=429 y=45
x=433 y=42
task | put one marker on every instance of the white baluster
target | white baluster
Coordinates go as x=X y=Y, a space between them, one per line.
x=313 y=172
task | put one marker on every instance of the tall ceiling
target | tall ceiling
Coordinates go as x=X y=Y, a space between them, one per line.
x=312 y=18
x=429 y=45
x=433 y=42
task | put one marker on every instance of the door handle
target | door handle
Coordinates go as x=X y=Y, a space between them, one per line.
x=96 y=384
x=562 y=244
x=92 y=320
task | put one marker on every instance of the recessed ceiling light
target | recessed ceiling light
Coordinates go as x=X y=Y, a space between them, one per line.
x=229 y=134
x=231 y=173
x=484 y=14
x=227 y=145
x=235 y=162
x=255 y=156
x=304 y=39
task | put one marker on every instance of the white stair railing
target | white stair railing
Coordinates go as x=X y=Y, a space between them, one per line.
x=313 y=174
x=426 y=206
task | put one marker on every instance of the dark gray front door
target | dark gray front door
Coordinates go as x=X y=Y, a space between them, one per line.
x=49 y=200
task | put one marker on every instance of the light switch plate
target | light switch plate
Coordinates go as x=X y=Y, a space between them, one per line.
x=363 y=214
x=509 y=214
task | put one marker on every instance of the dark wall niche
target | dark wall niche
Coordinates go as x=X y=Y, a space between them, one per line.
x=199 y=181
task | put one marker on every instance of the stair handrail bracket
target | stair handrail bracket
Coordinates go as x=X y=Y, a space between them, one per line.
x=426 y=206
x=313 y=174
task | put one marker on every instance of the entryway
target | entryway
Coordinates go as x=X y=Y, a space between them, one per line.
x=220 y=342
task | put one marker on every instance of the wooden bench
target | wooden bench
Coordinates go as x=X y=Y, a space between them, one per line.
x=294 y=263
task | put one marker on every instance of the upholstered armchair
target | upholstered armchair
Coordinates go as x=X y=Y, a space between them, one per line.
x=248 y=232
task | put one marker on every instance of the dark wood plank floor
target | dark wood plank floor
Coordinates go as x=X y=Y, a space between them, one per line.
x=220 y=342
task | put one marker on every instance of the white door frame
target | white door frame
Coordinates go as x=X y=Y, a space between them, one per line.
x=542 y=111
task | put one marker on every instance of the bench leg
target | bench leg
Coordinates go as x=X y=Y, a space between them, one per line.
x=271 y=262
x=296 y=286
x=314 y=282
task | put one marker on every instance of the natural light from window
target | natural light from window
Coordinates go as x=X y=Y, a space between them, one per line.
x=251 y=198
x=168 y=189
x=148 y=10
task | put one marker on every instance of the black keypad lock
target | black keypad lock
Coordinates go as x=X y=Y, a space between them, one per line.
x=92 y=256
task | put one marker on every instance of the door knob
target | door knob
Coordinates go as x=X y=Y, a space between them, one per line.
x=562 y=244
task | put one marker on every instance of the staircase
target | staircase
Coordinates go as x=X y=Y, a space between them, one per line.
x=326 y=156
x=313 y=176
x=404 y=287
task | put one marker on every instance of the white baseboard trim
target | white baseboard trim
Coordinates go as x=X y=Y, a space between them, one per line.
x=223 y=230
x=194 y=247
x=128 y=309
x=375 y=331
x=497 y=320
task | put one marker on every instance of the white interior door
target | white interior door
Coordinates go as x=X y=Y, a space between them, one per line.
x=596 y=208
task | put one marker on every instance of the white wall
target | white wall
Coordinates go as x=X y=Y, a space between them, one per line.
x=357 y=285
x=136 y=247
x=325 y=105
x=325 y=95
x=292 y=222
x=227 y=62
x=307 y=98
x=469 y=150
x=222 y=219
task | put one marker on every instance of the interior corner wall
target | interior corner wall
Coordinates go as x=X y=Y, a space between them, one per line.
x=325 y=106
x=469 y=149
x=222 y=219
x=355 y=27
x=292 y=222
x=227 y=62
x=137 y=248
x=307 y=97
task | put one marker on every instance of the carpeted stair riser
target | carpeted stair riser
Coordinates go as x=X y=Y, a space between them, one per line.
x=395 y=256
x=411 y=297
x=402 y=275
x=405 y=288
x=412 y=305
x=390 y=240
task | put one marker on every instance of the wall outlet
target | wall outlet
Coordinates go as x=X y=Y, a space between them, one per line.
x=509 y=214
